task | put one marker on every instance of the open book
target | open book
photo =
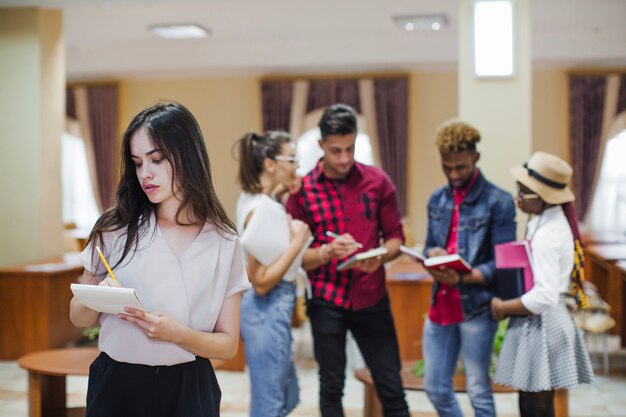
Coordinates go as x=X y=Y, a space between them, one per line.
x=106 y=299
x=413 y=253
x=453 y=261
x=361 y=256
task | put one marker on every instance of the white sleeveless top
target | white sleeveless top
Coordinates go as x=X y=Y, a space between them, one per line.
x=191 y=287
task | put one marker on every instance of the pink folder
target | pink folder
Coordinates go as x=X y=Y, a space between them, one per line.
x=516 y=255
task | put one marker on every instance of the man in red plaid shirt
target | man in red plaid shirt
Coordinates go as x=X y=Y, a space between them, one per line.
x=359 y=203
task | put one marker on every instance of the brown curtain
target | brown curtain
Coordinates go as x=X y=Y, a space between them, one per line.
x=586 y=108
x=391 y=99
x=276 y=99
x=96 y=109
x=391 y=103
x=103 y=122
x=70 y=103
x=323 y=93
x=621 y=99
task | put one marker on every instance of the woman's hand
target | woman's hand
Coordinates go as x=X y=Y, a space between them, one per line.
x=497 y=308
x=300 y=232
x=157 y=326
x=109 y=282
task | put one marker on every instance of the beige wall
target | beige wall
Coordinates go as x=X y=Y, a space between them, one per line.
x=225 y=108
x=550 y=108
x=432 y=100
x=32 y=104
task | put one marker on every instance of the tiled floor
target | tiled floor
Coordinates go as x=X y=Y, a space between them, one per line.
x=606 y=397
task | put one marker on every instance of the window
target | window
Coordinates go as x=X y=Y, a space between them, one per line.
x=309 y=152
x=79 y=203
x=608 y=208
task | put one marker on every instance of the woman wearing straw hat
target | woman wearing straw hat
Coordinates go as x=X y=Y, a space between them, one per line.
x=543 y=349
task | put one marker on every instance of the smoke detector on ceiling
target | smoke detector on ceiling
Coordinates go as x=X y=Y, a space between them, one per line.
x=421 y=22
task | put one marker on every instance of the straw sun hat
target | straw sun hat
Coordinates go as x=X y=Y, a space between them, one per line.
x=548 y=176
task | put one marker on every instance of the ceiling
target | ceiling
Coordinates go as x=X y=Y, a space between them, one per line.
x=109 y=38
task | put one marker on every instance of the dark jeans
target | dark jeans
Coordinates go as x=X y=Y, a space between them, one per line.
x=375 y=334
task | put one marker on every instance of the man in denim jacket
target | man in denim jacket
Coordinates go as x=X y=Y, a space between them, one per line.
x=467 y=216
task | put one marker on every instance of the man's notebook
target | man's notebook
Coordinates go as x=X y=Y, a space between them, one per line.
x=361 y=256
x=514 y=272
x=106 y=299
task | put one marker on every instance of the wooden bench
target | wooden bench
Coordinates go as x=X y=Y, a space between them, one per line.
x=410 y=382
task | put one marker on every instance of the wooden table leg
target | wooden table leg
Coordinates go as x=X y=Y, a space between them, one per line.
x=623 y=299
x=46 y=394
x=371 y=403
x=561 y=408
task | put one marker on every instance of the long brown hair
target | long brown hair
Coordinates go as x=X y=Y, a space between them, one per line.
x=175 y=132
x=253 y=149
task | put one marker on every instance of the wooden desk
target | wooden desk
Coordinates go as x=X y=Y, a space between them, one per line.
x=601 y=270
x=410 y=299
x=47 y=372
x=35 y=308
x=410 y=382
x=620 y=268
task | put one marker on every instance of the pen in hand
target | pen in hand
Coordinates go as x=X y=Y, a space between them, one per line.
x=106 y=264
x=336 y=236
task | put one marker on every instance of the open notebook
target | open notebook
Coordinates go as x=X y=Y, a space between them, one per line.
x=106 y=299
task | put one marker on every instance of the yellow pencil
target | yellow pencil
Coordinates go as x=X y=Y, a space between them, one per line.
x=106 y=264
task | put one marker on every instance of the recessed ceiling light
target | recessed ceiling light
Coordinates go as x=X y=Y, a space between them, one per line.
x=179 y=31
x=421 y=22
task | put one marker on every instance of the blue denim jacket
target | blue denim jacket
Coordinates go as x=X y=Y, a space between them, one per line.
x=486 y=217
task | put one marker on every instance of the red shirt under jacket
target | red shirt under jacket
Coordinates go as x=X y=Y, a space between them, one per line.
x=364 y=204
x=448 y=308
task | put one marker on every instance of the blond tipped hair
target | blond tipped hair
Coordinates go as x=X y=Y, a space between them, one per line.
x=456 y=136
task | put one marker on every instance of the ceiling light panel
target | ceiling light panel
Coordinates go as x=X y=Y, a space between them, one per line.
x=180 y=31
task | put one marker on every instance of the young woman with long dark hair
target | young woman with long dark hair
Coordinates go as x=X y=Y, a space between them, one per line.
x=169 y=238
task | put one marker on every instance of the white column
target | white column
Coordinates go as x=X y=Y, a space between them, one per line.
x=32 y=114
x=499 y=107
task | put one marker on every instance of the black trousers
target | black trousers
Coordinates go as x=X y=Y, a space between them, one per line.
x=123 y=389
x=375 y=334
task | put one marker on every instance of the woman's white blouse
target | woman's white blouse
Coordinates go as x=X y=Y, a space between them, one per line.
x=552 y=245
x=191 y=287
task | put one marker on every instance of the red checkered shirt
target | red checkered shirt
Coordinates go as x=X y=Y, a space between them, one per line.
x=364 y=204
